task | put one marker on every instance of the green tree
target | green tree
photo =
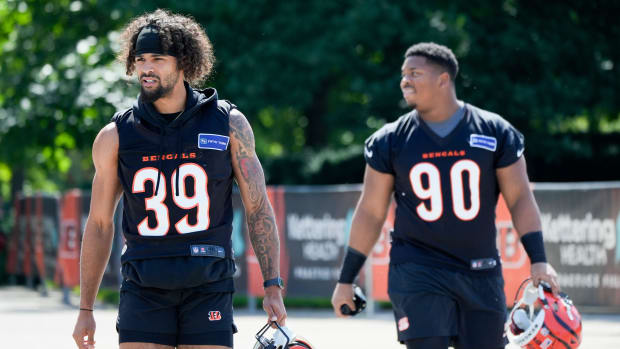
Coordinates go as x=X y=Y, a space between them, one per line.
x=552 y=69
x=55 y=89
x=316 y=78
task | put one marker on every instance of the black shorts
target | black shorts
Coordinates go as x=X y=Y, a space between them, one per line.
x=434 y=302
x=190 y=316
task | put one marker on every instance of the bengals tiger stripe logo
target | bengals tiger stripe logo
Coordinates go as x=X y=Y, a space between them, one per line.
x=215 y=315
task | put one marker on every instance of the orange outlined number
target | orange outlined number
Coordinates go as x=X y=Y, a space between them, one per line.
x=433 y=209
x=200 y=198
x=432 y=192
x=156 y=203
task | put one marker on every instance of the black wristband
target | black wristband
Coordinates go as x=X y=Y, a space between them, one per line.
x=353 y=262
x=86 y=309
x=534 y=246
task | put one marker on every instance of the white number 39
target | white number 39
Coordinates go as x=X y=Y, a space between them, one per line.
x=155 y=203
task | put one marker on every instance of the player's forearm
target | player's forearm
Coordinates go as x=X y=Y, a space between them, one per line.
x=264 y=237
x=96 y=248
x=525 y=214
x=365 y=230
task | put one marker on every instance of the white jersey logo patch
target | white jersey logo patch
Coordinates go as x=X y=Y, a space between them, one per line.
x=212 y=141
x=483 y=142
x=403 y=324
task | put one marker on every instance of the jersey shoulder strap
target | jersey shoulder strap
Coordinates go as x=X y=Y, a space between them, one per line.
x=225 y=107
x=121 y=116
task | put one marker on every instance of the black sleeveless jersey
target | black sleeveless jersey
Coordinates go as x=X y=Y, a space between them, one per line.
x=177 y=183
x=445 y=189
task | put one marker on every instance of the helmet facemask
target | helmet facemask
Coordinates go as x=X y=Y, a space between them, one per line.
x=281 y=338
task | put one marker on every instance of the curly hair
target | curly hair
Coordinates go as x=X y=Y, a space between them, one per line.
x=438 y=54
x=179 y=34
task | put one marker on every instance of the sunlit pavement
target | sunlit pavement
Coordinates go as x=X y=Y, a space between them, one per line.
x=28 y=320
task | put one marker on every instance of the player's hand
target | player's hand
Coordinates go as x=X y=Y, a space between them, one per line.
x=343 y=294
x=545 y=272
x=274 y=305
x=84 y=332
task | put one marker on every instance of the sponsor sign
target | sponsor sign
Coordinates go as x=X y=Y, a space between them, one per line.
x=581 y=229
x=317 y=228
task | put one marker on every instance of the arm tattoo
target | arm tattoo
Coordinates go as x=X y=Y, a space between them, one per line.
x=259 y=214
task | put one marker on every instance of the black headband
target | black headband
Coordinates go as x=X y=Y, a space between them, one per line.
x=149 y=41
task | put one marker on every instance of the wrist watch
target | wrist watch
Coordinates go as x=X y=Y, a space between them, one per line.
x=277 y=281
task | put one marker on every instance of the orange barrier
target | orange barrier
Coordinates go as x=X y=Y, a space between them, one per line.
x=381 y=258
x=32 y=245
x=67 y=267
x=28 y=239
x=515 y=262
x=13 y=241
x=39 y=253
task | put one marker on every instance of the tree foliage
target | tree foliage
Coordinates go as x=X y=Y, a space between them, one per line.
x=56 y=89
x=315 y=78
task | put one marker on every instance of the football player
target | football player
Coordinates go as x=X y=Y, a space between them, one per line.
x=445 y=162
x=173 y=157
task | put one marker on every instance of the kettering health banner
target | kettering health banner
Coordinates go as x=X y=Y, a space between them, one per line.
x=317 y=225
x=581 y=226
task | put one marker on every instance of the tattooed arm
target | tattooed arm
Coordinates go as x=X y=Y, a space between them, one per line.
x=259 y=214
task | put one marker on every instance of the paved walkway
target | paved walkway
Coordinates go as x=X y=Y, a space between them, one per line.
x=28 y=320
